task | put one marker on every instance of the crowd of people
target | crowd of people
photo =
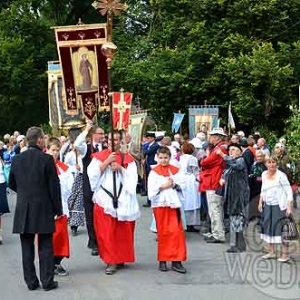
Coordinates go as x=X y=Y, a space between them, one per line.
x=213 y=185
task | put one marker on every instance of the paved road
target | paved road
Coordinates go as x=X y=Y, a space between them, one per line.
x=211 y=273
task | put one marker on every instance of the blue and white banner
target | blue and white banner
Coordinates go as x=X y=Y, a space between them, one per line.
x=177 y=122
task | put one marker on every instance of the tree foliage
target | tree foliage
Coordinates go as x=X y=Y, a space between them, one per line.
x=172 y=54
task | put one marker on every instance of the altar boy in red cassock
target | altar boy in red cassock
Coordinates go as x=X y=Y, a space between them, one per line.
x=164 y=190
x=61 y=245
x=114 y=227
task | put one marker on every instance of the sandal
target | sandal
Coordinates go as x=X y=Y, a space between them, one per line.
x=283 y=260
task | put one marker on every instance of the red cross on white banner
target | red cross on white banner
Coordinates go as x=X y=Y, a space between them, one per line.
x=121 y=109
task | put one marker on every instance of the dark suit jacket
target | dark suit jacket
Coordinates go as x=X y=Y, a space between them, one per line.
x=87 y=192
x=34 y=177
x=150 y=155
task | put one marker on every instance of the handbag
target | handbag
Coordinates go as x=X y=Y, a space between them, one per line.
x=289 y=229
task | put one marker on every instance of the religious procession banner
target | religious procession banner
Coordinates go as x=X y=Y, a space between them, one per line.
x=136 y=126
x=177 y=122
x=121 y=110
x=202 y=118
x=58 y=117
x=84 y=69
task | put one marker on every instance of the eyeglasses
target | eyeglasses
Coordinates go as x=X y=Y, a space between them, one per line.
x=99 y=133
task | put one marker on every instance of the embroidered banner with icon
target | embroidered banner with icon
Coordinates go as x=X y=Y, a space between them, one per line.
x=177 y=122
x=84 y=68
x=136 y=126
x=121 y=110
x=202 y=118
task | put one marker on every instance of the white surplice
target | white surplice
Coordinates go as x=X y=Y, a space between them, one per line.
x=128 y=207
x=169 y=197
x=66 y=182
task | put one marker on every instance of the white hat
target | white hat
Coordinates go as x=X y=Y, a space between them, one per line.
x=176 y=145
x=217 y=131
x=241 y=133
x=196 y=142
x=20 y=138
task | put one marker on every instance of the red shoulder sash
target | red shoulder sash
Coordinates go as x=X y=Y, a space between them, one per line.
x=103 y=155
x=165 y=170
x=60 y=166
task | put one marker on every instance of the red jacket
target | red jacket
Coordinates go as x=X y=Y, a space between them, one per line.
x=212 y=168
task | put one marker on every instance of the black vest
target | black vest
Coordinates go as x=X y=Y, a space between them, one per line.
x=87 y=192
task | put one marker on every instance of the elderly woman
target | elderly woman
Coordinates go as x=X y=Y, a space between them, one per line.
x=276 y=202
x=235 y=178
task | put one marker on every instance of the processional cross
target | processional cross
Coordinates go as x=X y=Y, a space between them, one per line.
x=110 y=7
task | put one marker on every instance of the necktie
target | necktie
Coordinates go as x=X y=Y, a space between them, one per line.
x=97 y=147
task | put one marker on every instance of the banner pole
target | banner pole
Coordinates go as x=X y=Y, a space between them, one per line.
x=180 y=128
x=108 y=50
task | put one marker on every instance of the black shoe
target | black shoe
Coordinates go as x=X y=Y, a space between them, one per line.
x=94 y=252
x=74 y=231
x=177 y=267
x=162 y=266
x=51 y=286
x=232 y=249
x=192 y=229
x=147 y=204
x=60 y=271
x=212 y=240
x=110 y=269
x=34 y=287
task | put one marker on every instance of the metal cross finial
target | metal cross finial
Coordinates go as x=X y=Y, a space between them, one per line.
x=104 y=6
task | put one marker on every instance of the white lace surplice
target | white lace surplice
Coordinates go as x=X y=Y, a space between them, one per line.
x=191 y=189
x=128 y=208
x=168 y=197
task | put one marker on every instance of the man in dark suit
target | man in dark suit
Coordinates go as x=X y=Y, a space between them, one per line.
x=33 y=176
x=149 y=154
x=95 y=137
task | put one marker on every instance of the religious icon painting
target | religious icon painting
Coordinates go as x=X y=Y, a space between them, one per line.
x=85 y=69
x=136 y=126
x=202 y=118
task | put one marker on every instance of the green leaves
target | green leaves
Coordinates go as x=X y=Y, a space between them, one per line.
x=172 y=54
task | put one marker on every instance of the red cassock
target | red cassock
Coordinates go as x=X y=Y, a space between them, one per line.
x=115 y=238
x=170 y=232
x=61 y=244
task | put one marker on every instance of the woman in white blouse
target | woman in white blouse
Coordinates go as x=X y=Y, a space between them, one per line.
x=276 y=200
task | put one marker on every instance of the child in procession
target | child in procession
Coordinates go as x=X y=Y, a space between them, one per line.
x=164 y=190
x=61 y=245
